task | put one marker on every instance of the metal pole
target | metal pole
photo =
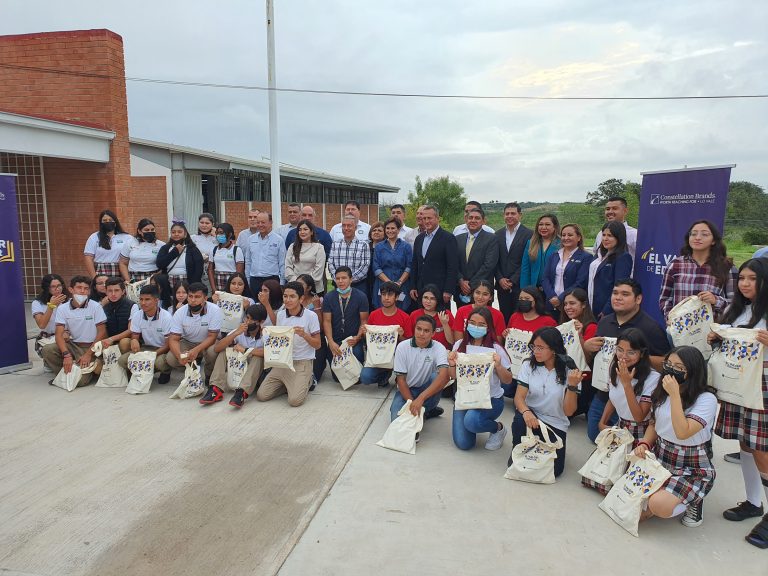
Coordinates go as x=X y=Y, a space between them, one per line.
x=271 y=83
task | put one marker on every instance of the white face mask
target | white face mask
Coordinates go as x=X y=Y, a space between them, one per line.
x=81 y=298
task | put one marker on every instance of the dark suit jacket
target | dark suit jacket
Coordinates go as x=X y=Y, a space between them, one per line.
x=576 y=274
x=482 y=260
x=441 y=264
x=511 y=260
x=605 y=277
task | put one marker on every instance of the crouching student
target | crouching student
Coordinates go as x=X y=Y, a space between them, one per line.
x=150 y=328
x=79 y=323
x=118 y=309
x=421 y=366
x=306 y=339
x=680 y=431
x=247 y=336
x=546 y=390
x=194 y=330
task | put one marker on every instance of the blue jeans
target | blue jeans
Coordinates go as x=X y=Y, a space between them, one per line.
x=596 y=409
x=467 y=424
x=378 y=376
x=398 y=401
x=519 y=430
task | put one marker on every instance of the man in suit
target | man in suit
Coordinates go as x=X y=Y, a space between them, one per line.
x=434 y=257
x=511 y=240
x=478 y=253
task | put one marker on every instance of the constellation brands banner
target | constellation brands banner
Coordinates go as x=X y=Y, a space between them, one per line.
x=670 y=202
x=13 y=336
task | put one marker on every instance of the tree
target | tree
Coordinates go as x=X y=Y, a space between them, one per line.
x=613 y=187
x=448 y=195
x=747 y=204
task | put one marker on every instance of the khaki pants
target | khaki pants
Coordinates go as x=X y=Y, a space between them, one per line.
x=55 y=361
x=282 y=381
x=208 y=357
x=252 y=373
x=161 y=364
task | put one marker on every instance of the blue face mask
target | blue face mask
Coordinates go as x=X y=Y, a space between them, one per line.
x=464 y=298
x=344 y=291
x=221 y=239
x=477 y=331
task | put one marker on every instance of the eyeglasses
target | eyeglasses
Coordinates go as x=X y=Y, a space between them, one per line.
x=628 y=353
x=670 y=366
x=538 y=348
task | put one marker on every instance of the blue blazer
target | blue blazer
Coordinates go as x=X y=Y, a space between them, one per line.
x=602 y=285
x=531 y=272
x=576 y=274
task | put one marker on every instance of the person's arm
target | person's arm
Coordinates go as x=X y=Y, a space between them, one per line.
x=605 y=418
x=229 y=339
x=165 y=256
x=109 y=340
x=572 y=391
x=90 y=267
x=531 y=421
x=290 y=265
x=61 y=343
x=667 y=290
x=452 y=267
x=360 y=272
x=101 y=334
x=203 y=346
x=407 y=258
x=415 y=268
x=501 y=371
x=683 y=426
x=648 y=441
x=211 y=273
x=311 y=339
x=281 y=252
x=436 y=387
x=723 y=299
x=444 y=318
x=376 y=264
x=174 y=345
x=548 y=277
x=402 y=387
x=582 y=275
x=328 y=330
x=639 y=411
x=525 y=267
x=318 y=267
x=123 y=267
x=332 y=265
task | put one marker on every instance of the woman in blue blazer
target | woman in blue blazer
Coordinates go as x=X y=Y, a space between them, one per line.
x=612 y=262
x=566 y=269
x=544 y=242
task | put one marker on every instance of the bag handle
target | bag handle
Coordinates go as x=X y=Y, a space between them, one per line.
x=547 y=433
x=244 y=355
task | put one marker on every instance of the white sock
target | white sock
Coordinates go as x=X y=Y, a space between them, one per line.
x=679 y=509
x=752 y=482
x=765 y=483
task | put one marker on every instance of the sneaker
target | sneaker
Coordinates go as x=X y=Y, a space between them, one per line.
x=496 y=439
x=433 y=413
x=694 y=515
x=733 y=458
x=743 y=511
x=314 y=383
x=418 y=437
x=238 y=398
x=212 y=395
x=164 y=378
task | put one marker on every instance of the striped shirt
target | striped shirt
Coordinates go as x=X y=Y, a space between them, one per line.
x=684 y=277
x=355 y=254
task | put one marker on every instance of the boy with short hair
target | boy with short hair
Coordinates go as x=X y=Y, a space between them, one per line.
x=118 y=309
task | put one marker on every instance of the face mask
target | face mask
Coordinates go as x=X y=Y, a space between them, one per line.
x=149 y=237
x=108 y=226
x=221 y=239
x=253 y=326
x=464 y=298
x=676 y=374
x=311 y=306
x=81 y=298
x=524 y=305
x=344 y=291
x=195 y=309
x=477 y=331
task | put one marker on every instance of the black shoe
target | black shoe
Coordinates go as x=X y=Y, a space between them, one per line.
x=733 y=458
x=743 y=511
x=694 y=515
x=433 y=413
x=238 y=398
x=212 y=395
x=759 y=534
x=164 y=378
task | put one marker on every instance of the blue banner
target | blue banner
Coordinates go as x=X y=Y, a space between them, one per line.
x=13 y=336
x=669 y=203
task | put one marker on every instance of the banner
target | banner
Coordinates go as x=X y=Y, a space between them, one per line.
x=13 y=337
x=669 y=203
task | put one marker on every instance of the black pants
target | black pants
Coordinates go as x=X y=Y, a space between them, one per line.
x=519 y=430
x=257 y=281
x=508 y=301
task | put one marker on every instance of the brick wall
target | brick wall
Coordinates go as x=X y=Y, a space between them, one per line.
x=149 y=200
x=236 y=213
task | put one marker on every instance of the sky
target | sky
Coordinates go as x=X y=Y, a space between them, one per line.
x=499 y=150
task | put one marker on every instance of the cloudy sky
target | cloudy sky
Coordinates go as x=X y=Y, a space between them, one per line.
x=498 y=149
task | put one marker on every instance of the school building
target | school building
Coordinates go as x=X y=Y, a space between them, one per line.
x=64 y=132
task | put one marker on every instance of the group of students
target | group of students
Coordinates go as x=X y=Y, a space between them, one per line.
x=659 y=393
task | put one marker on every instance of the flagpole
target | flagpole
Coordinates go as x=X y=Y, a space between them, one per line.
x=272 y=83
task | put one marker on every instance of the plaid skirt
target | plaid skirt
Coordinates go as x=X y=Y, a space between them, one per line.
x=637 y=428
x=139 y=276
x=692 y=471
x=107 y=269
x=602 y=488
x=748 y=426
x=221 y=280
x=177 y=279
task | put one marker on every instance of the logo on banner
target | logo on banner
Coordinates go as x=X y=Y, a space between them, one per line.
x=6 y=251
x=675 y=199
x=2 y=196
x=656 y=262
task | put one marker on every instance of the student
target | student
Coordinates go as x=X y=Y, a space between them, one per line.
x=118 y=310
x=482 y=296
x=53 y=293
x=568 y=268
x=180 y=293
x=432 y=305
x=102 y=249
x=226 y=257
x=467 y=424
x=180 y=258
x=244 y=337
x=149 y=329
x=421 y=366
x=195 y=328
x=680 y=434
x=165 y=291
x=314 y=303
x=612 y=262
x=511 y=239
x=530 y=315
x=576 y=308
x=205 y=239
x=237 y=285
x=271 y=297
x=546 y=390
x=306 y=256
x=345 y=312
x=392 y=263
x=633 y=380
x=138 y=256
x=544 y=242
x=99 y=288
x=306 y=339
x=84 y=321
x=388 y=315
x=749 y=309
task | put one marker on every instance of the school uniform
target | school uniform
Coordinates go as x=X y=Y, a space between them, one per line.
x=255 y=364
x=141 y=258
x=106 y=260
x=381 y=376
x=153 y=332
x=184 y=267
x=420 y=367
x=39 y=308
x=225 y=261
x=618 y=398
x=193 y=329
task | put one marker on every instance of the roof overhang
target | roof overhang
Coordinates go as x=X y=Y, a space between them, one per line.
x=21 y=134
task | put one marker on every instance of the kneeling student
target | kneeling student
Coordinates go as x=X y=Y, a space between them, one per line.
x=245 y=336
x=150 y=326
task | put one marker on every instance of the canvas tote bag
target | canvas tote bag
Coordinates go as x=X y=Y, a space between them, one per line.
x=516 y=345
x=112 y=375
x=401 y=433
x=689 y=322
x=237 y=365
x=141 y=365
x=533 y=459
x=381 y=342
x=278 y=347
x=192 y=384
x=473 y=381
x=601 y=376
x=572 y=342
x=346 y=367
x=624 y=503
x=70 y=381
x=231 y=307
x=609 y=460
x=736 y=367
x=132 y=289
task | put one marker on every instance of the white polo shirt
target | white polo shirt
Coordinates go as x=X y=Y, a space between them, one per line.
x=195 y=327
x=102 y=255
x=418 y=364
x=179 y=264
x=142 y=256
x=307 y=320
x=81 y=322
x=248 y=341
x=363 y=228
x=153 y=329
x=40 y=308
x=227 y=259
x=618 y=397
x=204 y=243
x=704 y=411
x=545 y=395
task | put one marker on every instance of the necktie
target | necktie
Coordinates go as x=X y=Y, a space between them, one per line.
x=470 y=241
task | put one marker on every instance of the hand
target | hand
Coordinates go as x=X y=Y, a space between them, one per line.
x=334 y=348
x=179 y=247
x=318 y=302
x=67 y=336
x=59 y=299
x=106 y=343
x=215 y=298
x=464 y=286
x=594 y=344
x=363 y=329
x=452 y=356
x=447 y=297
x=353 y=340
x=762 y=337
x=264 y=299
x=192 y=355
x=85 y=359
x=555 y=301
x=416 y=406
x=135 y=346
x=443 y=317
x=530 y=420
x=505 y=333
x=624 y=373
x=299 y=331
x=713 y=337
x=414 y=294
x=246 y=302
x=505 y=284
x=602 y=425
x=239 y=349
x=578 y=325
x=400 y=331
x=671 y=385
x=496 y=360
x=641 y=450
x=241 y=329
x=707 y=297
x=67 y=364
x=574 y=377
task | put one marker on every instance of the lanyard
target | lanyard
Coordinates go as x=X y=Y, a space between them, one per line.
x=343 y=303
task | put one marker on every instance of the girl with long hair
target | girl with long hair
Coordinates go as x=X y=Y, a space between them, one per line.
x=531 y=314
x=99 y=288
x=226 y=257
x=102 y=249
x=433 y=305
x=538 y=249
x=53 y=293
x=166 y=292
x=180 y=293
x=180 y=258
x=576 y=308
x=482 y=297
x=271 y=297
x=612 y=262
x=138 y=257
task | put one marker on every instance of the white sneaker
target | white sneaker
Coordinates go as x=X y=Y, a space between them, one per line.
x=496 y=439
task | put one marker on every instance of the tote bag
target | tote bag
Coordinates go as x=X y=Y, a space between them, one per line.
x=473 y=381
x=237 y=365
x=112 y=374
x=132 y=289
x=278 y=347
x=601 y=376
x=401 y=433
x=624 y=503
x=572 y=342
x=346 y=367
x=516 y=345
x=609 y=460
x=736 y=367
x=689 y=322
x=381 y=341
x=192 y=384
x=231 y=307
x=70 y=381
x=141 y=365
x=533 y=459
